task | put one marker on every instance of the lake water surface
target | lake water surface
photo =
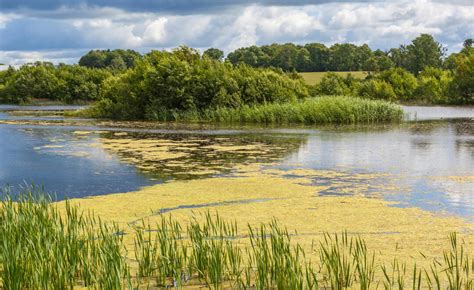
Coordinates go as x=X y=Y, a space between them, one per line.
x=429 y=162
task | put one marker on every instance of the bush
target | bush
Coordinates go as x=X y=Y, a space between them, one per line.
x=376 y=89
x=333 y=84
x=45 y=81
x=404 y=84
x=462 y=86
x=433 y=85
x=165 y=83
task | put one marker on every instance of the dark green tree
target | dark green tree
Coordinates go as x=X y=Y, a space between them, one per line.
x=117 y=59
x=424 y=51
x=214 y=53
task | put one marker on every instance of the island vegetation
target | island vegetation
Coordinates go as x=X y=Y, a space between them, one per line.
x=184 y=84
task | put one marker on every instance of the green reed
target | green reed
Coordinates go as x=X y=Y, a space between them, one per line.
x=44 y=248
x=318 y=110
x=278 y=263
x=457 y=267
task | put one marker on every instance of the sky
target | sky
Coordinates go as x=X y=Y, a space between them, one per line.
x=64 y=30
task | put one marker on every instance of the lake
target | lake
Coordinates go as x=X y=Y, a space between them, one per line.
x=427 y=162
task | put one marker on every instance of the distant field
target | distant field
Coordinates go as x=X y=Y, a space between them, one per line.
x=315 y=77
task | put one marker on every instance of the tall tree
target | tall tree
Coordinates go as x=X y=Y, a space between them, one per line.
x=214 y=53
x=424 y=51
x=117 y=59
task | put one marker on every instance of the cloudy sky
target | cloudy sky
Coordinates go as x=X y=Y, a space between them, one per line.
x=63 y=30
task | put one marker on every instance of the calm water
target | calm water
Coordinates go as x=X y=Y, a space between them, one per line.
x=427 y=161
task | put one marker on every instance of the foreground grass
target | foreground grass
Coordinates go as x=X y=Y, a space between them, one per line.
x=312 y=78
x=320 y=110
x=42 y=248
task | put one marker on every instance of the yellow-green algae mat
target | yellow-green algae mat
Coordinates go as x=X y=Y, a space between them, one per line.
x=255 y=195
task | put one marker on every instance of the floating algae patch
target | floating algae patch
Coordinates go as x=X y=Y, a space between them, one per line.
x=185 y=156
x=82 y=132
x=390 y=231
x=461 y=179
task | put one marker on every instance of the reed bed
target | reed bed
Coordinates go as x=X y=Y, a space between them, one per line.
x=42 y=247
x=319 y=110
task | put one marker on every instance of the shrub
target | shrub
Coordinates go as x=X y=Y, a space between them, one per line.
x=404 y=84
x=376 y=89
x=433 y=85
x=462 y=86
x=165 y=83
x=333 y=84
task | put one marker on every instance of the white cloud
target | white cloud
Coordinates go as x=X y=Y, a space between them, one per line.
x=17 y=58
x=380 y=24
x=155 y=31
x=7 y=17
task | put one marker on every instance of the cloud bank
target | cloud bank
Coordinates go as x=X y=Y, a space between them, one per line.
x=63 y=30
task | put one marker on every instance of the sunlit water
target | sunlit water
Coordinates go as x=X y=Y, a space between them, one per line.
x=430 y=162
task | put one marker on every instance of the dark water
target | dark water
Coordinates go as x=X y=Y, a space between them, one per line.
x=26 y=157
x=428 y=162
x=39 y=108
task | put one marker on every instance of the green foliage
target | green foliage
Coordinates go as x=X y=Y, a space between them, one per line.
x=32 y=81
x=378 y=63
x=320 y=110
x=310 y=57
x=462 y=86
x=214 y=53
x=424 y=51
x=117 y=59
x=166 y=83
x=44 y=81
x=334 y=84
x=129 y=86
x=376 y=89
x=404 y=84
x=43 y=248
x=433 y=85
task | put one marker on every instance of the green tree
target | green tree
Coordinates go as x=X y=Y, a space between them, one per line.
x=333 y=84
x=318 y=57
x=404 y=84
x=433 y=85
x=214 y=53
x=33 y=82
x=462 y=86
x=371 y=65
x=117 y=59
x=376 y=89
x=424 y=51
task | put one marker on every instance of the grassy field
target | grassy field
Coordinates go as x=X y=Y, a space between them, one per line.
x=315 y=77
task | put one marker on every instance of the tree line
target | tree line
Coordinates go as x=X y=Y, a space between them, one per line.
x=423 y=51
x=418 y=72
x=43 y=80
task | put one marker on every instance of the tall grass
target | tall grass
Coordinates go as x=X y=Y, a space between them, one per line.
x=44 y=248
x=320 y=110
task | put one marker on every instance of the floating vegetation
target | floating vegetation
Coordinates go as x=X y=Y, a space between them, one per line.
x=187 y=157
x=44 y=246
